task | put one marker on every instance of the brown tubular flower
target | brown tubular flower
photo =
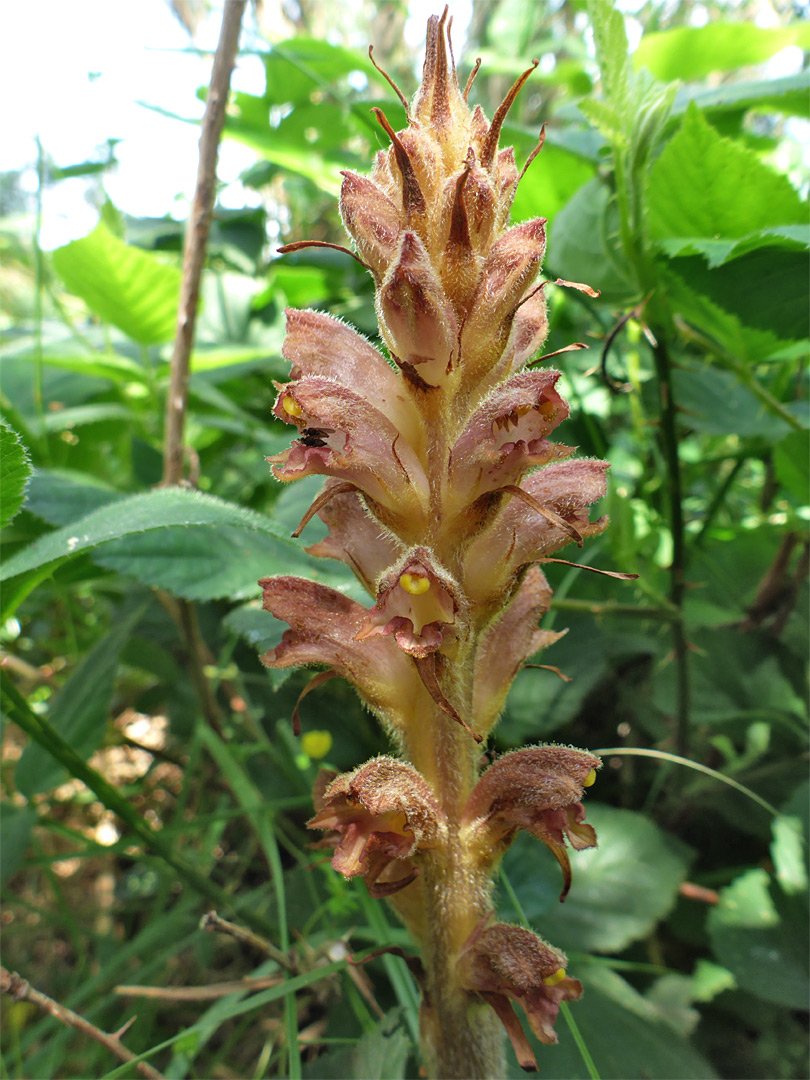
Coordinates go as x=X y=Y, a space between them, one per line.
x=382 y=813
x=507 y=963
x=538 y=789
x=443 y=493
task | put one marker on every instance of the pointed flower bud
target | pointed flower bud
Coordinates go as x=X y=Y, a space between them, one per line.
x=507 y=643
x=382 y=813
x=507 y=963
x=372 y=220
x=420 y=325
x=509 y=268
x=538 y=789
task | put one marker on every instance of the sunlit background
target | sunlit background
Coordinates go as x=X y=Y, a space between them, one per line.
x=95 y=78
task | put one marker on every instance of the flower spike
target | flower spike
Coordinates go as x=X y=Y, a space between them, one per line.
x=444 y=494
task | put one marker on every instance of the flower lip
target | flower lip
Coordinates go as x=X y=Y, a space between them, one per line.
x=508 y=963
x=539 y=789
x=344 y=435
x=417 y=602
x=382 y=813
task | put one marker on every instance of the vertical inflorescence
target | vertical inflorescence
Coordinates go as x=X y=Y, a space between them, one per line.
x=443 y=494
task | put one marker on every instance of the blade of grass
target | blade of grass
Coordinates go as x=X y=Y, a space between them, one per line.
x=675 y=759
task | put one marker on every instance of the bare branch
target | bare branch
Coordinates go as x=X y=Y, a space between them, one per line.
x=15 y=985
x=199 y=225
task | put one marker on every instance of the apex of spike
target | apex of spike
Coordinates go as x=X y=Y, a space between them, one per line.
x=439 y=102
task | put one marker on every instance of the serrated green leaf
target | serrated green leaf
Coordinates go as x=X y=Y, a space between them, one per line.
x=610 y=39
x=79 y=712
x=766 y=289
x=705 y=186
x=121 y=284
x=15 y=469
x=717 y=251
x=761 y=937
x=692 y=52
x=156 y=510
x=620 y=889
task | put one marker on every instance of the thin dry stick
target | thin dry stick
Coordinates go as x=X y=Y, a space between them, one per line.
x=213 y=923
x=197 y=230
x=20 y=990
x=200 y=993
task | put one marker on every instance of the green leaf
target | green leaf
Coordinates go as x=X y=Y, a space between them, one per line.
x=745 y=343
x=674 y=994
x=16 y=823
x=626 y=1035
x=761 y=936
x=121 y=284
x=709 y=187
x=60 y=496
x=788 y=95
x=582 y=244
x=610 y=39
x=79 y=712
x=204 y=563
x=766 y=289
x=380 y=1054
x=716 y=251
x=188 y=543
x=715 y=402
x=690 y=52
x=791 y=462
x=15 y=469
x=788 y=851
x=620 y=890
x=157 y=510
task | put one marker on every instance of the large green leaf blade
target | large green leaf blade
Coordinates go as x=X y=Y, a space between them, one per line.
x=760 y=935
x=620 y=889
x=137 y=514
x=692 y=52
x=122 y=284
x=705 y=185
x=15 y=469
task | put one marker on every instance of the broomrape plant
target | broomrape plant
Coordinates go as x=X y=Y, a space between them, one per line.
x=444 y=495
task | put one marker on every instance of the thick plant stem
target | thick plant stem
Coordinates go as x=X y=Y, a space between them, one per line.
x=461 y=1036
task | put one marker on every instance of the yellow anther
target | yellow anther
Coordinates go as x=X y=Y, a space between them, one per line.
x=590 y=778
x=414 y=584
x=557 y=977
x=291 y=406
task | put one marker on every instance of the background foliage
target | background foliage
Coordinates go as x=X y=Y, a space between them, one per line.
x=150 y=771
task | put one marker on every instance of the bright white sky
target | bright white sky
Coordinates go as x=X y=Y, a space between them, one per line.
x=73 y=71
